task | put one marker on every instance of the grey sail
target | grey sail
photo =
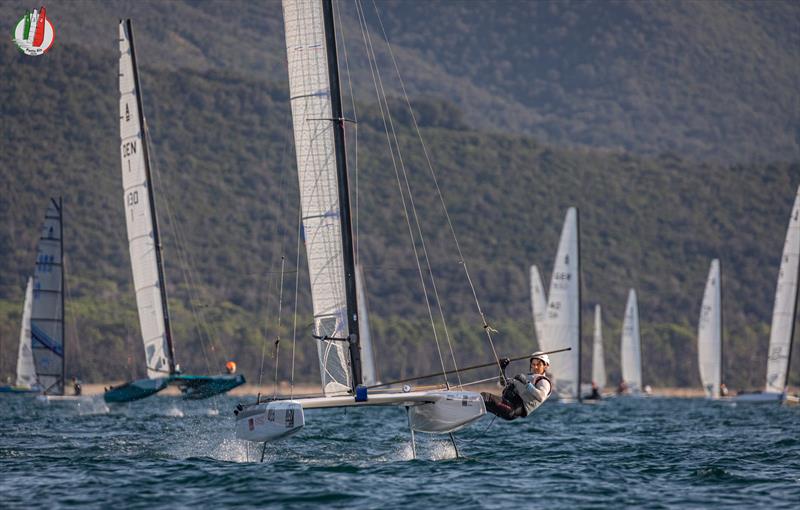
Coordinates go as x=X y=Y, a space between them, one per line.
x=539 y=307
x=631 y=349
x=47 y=311
x=368 y=371
x=709 y=334
x=598 y=362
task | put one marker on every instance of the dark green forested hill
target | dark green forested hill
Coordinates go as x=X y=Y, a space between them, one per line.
x=716 y=81
x=228 y=200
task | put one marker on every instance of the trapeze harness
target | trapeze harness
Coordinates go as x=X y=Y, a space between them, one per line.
x=518 y=400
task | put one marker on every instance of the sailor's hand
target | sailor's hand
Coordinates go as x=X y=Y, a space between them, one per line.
x=504 y=363
x=521 y=378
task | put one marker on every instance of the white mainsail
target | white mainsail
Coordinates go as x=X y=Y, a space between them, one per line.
x=47 y=311
x=26 y=371
x=709 y=334
x=785 y=307
x=631 y=346
x=562 y=324
x=598 y=363
x=312 y=112
x=539 y=306
x=138 y=215
x=368 y=373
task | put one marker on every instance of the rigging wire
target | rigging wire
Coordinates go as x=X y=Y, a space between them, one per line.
x=418 y=225
x=462 y=260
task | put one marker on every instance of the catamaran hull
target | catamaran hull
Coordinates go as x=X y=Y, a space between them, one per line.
x=135 y=390
x=270 y=422
x=450 y=411
x=765 y=397
x=197 y=387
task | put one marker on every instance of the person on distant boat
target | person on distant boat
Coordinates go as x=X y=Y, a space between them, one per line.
x=76 y=386
x=623 y=388
x=230 y=367
x=723 y=390
x=595 y=395
x=524 y=393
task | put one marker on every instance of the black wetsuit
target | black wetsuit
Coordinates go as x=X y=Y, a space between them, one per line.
x=508 y=407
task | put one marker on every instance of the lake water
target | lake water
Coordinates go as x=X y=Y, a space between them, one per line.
x=167 y=453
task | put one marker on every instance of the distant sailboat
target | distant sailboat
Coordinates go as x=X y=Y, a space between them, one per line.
x=598 y=361
x=784 y=314
x=631 y=347
x=539 y=306
x=26 y=381
x=709 y=334
x=562 y=324
x=315 y=98
x=145 y=249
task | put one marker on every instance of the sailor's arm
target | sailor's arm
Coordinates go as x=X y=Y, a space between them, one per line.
x=529 y=391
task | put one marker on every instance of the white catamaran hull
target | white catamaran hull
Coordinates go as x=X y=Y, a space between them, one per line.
x=433 y=412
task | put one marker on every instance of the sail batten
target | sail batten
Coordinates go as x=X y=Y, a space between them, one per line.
x=709 y=334
x=631 y=347
x=561 y=326
x=785 y=308
x=47 y=308
x=324 y=216
x=140 y=216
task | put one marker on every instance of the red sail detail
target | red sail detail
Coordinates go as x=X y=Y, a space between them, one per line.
x=38 y=36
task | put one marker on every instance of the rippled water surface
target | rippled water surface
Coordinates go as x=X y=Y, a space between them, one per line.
x=167 y=453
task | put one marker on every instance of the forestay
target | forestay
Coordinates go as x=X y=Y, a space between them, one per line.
x=631 y=346
x=784 y=309
x=139 y=215
x=47 y=311
x=539 y=306
x=26 y=371
x=562 y=323
x=368 y=371
x=598 y=363
x=709 y=334
x=310 y=95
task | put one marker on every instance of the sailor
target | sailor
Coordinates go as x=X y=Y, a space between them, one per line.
x=524 y=393
x=723 y=390
x=76 y=386
x=595 y=395
x=230 y=367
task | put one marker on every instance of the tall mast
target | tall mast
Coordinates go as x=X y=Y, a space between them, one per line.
x=344 y=194
x=63 y=303
x=721 y=330
x=580 y=326
x=151 y=195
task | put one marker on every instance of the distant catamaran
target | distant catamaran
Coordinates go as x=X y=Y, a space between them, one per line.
x=709 y=333
x=145 y=249
x=784 y=314
x=560 y=324
x=631 y=347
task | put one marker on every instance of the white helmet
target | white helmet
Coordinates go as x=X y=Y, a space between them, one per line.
x=544 y=358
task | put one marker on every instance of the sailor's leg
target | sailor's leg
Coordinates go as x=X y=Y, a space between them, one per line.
x=499 y=407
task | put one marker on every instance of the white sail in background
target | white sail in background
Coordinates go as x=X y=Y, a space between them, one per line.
x=783 y=311
x=598 y=363
x=138 y=217
x=26 y=371
x=562 y=324
x=709 y=334
x=368 y=373
x=310 y=95
x=631 y=346
x=47 y=326
x=539 y=305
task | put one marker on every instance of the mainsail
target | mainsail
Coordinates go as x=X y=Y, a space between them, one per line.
x=562 y=324
x=709 y=334
x=369 y=374
x=26 y=371
x=598 y=363
x=785 y=308
x=318 y=136
x=631 y=346
x=140 y=217
x=539 y=306
x=47 y=312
